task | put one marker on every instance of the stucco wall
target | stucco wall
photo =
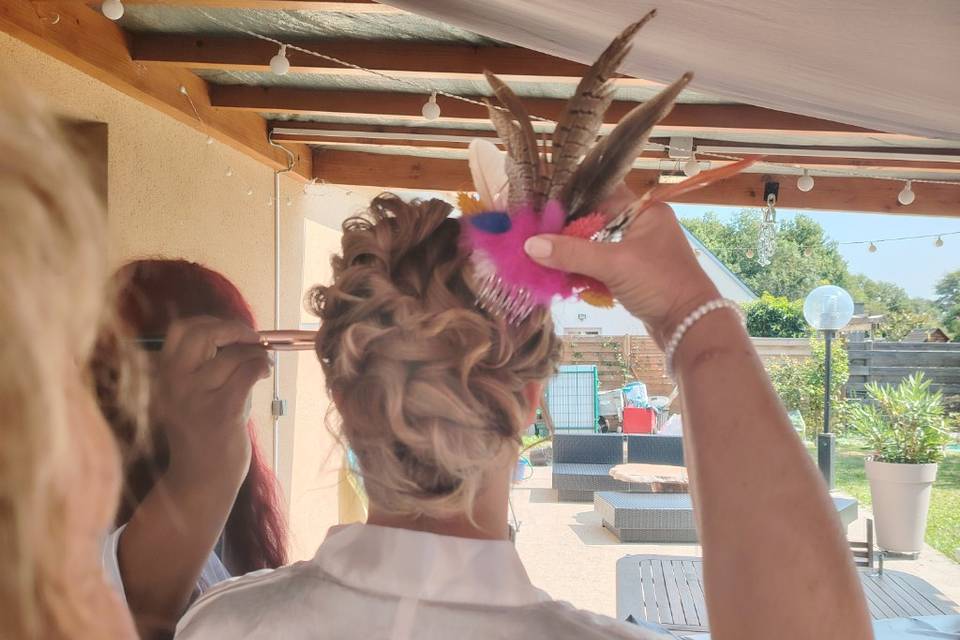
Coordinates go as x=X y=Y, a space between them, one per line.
x=169 y=195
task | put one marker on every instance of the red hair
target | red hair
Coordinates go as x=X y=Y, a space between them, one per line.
x=153 y=294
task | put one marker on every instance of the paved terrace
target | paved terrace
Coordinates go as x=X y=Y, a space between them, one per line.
x=569 y=554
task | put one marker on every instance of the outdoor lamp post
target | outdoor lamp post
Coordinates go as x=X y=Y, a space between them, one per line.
x=827 y=308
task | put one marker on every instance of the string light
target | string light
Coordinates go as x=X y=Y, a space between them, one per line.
x=749 y=253
x=805 y=182
x=938 y=242
x=209 y=139
x=289 y=201
x=250 y=191
x=418 y=86
x=229 y=171
x=691 y=167
x=906 y=195
x=872 y=248
x=431 y=110
x=112 y=9
x=279 y=64
x=807 y=251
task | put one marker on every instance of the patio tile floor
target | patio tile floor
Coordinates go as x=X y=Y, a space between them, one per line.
x=569 y=554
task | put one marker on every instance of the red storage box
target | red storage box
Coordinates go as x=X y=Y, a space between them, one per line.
x=637 y=420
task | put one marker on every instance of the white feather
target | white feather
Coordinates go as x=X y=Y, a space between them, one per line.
x=488 y=169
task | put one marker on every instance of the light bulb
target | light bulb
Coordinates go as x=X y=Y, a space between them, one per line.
x=431 y=110
x=279 y=64
x=691 y=167
x=289 y=201
x=872 y=248
x=808 y=252
x=229 y=171
x=938 y=242
x=805 y=182
x=906 y=195
x=250 y=191
x=113 y=9
x=209 y=139
x=750 y=253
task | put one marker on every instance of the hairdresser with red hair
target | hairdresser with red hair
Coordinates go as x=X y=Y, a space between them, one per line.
x=199 y=504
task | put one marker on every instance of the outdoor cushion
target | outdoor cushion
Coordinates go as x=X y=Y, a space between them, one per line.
x=590 y=448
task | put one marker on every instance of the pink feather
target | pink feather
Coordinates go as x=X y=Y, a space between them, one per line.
x=504 y=251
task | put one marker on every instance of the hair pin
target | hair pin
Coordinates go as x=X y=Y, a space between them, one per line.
x=272 y=340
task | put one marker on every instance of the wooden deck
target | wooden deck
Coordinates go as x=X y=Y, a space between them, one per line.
x=668 y=591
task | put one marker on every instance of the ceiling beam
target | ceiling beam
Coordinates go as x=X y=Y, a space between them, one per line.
x=709 y=117
x=343 y=6
x=86 y=40
x=853 y=158
x=745 y=190
x=413 y=59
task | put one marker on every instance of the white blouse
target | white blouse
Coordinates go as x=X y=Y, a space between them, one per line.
x=369 y=582
x=213 y=573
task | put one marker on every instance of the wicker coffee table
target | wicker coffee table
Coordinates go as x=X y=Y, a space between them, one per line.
x=667 y=517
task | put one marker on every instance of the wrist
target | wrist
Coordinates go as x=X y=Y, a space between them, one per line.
x=227 y=467
x=714 y=335
x=685 y=304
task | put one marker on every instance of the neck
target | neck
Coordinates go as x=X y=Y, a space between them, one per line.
x=489 y=516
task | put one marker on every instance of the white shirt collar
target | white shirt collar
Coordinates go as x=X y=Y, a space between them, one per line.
x=427 y=566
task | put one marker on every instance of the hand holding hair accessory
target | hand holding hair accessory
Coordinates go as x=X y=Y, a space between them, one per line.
x=572 y=191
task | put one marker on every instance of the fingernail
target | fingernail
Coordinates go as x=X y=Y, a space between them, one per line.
x=538 y=247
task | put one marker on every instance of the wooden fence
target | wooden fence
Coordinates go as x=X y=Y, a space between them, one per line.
x=622 y=359
x=890 y=362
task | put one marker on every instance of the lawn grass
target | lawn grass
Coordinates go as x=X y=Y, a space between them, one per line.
x=943 y=523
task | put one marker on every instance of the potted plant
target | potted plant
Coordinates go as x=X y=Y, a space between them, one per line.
x=905 y=426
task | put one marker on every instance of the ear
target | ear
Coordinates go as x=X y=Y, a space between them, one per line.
x=532 y=392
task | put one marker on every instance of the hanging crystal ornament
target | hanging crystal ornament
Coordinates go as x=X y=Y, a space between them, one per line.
x=767 y=242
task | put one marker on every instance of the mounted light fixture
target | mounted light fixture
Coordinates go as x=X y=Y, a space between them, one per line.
x=112 y=9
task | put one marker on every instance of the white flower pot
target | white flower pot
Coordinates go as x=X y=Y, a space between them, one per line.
x=901 y=498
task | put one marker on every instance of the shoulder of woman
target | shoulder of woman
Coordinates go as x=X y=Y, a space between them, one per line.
x=231 y=603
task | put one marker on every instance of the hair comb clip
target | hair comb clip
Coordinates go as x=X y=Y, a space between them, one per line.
x=572 y=190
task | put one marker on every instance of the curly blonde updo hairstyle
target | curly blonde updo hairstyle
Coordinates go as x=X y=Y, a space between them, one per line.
x=429 y=387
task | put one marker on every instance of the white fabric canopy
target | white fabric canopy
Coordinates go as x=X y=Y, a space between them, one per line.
x=890 y=65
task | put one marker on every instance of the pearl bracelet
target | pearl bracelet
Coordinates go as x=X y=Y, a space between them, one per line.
x=690 y=320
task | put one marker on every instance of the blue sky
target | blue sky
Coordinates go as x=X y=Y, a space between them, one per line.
x=915 y=265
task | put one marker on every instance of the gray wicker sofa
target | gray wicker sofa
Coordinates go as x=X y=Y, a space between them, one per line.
x=582 y=462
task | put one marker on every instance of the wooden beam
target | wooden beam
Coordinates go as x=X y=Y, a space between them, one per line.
x=745 y=190
x=86 y=40
x=696 y=117
x=343 y=6
x=410 y=58
x=379 y=136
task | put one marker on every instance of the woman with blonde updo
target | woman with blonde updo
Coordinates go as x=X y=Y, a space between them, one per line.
x=433 y=392
x=59 y=468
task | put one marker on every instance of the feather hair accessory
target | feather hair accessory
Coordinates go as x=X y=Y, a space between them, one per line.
x=575 y=190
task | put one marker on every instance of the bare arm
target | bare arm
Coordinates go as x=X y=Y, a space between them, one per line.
x=775 y=560
x=204 y=378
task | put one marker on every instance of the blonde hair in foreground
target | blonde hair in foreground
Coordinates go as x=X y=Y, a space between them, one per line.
x=428 y=386
x=52 y=273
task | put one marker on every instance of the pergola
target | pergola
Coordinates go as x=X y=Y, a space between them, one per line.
x=206 y=63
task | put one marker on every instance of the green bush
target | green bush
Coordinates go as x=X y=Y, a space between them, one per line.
x=773 y=317
x=906 y=423
x=799 y=383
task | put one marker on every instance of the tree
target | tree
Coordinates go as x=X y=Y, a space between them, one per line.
x=792 y=273
x=948 y=302
x=773 y=317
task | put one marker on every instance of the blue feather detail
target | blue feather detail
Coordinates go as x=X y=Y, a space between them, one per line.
x=495 y=222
